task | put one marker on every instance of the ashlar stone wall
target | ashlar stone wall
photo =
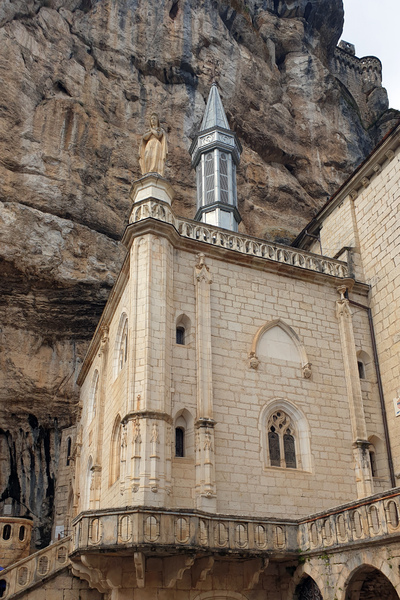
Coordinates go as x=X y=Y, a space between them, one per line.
x=157 y=387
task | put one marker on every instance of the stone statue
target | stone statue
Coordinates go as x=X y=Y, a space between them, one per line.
x=153 y=148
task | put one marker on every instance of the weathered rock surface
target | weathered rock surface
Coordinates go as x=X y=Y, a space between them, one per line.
x=78 y=80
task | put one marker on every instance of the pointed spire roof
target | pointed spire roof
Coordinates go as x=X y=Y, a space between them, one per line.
x=214 y=115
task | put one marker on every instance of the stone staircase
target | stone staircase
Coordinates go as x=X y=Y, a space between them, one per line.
x=26 y=573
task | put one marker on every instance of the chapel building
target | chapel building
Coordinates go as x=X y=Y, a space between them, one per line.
x=238 y=435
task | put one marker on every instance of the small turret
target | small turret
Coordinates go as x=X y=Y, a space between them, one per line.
x=215 y=155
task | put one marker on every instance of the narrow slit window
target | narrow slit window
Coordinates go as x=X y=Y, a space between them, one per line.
x=361 y=369
x=21 y=535
x=179 y=442
x=69 y=451
x=180 y=336
x=372 y=460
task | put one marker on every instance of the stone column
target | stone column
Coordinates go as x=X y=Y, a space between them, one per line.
x=205 y=469
x=99 y=423
x=354 y=394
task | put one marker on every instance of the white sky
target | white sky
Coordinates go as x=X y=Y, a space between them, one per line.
x=373 y=27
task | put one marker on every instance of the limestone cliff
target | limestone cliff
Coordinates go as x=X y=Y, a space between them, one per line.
x=78 y=80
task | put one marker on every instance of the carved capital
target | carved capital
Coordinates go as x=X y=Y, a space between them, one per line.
x=343 y=308
x=201 y=270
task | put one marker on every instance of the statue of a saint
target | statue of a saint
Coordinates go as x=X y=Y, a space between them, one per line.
x=153 y=148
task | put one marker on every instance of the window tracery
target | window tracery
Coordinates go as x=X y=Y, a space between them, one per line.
x=281 y=441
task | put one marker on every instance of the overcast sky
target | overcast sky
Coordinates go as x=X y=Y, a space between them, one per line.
x=373 y=27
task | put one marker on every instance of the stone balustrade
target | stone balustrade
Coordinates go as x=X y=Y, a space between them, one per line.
x=237 y=242
x=352 y=524
x=23 y=574
x=149 y=529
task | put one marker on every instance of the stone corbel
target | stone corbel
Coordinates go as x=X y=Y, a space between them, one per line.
x=252 y=571
x=174 y=568
x=201 y=569
x=253 y=361
x=365 y=181
x=389 y=155
x=140 y=568
x=307 y=371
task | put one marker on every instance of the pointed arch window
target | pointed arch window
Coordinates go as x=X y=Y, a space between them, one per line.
x=281 y=441
x=115 y=454
x=121 y=345
x=94 y=393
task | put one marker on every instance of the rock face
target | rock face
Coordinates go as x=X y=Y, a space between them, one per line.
x=78 y=80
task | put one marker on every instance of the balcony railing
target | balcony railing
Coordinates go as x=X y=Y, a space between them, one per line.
x=147 y=529
x=26 y=572
x=239 y=243
x=352 y=524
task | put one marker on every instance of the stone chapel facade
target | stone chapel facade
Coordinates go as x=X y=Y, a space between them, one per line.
x=237 y=437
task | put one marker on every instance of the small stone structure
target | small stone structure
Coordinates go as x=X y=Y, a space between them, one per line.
x=15 y=539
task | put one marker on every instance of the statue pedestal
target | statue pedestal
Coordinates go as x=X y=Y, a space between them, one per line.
x=151 y=186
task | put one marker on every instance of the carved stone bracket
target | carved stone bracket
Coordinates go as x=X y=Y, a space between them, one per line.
x=101 y=573
x=174 y=568
x=201 y=569
x=253 y=570
x=307 y=371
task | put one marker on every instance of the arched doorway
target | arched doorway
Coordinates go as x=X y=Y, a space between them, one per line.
x=307 y=589
x=369 y=583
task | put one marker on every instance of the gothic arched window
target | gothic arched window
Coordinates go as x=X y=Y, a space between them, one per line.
x=115 y=454
x=121 y=345
x=94 y=393
x=281 y=441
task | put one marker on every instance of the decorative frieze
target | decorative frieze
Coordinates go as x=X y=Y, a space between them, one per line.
x=215 y=236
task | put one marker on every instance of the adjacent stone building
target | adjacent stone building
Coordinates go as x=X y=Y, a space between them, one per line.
x=238 y=436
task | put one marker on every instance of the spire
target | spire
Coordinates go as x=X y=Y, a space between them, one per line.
x=215 y=155
x=214 y=115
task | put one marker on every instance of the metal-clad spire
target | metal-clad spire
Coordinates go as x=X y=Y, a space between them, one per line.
x=215 y=154
x=214 y=115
